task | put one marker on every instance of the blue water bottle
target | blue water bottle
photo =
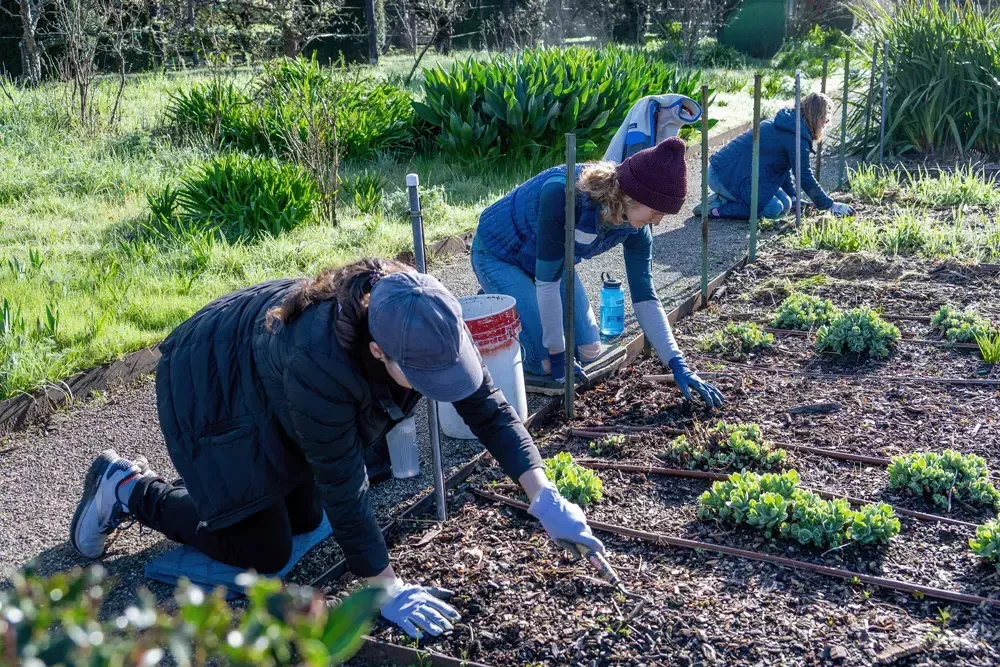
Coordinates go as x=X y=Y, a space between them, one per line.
x=612 y=306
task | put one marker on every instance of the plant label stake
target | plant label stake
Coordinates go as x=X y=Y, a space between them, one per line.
x=885 y=90
x=704 y=196
x=420 y=259
x=819 y=144
x=843 y=122
x=798 y=148
x=569 y=276
x=755 y=169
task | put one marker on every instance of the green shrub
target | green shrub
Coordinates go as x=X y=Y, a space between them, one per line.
x=944 y=477
x=986 y=543
x=960 y=326
x=523 y=105
x=574 y=482
x=738 y=339
x=942 y=79
x=242 y=197
x=740 y=446
x=803 y=312
x=365 y=191
x=857 y=331
x=57 y=621
x=807 y=52
x=773 y=504
x=771 y=86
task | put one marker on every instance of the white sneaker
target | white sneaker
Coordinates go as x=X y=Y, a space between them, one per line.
x=100 y=512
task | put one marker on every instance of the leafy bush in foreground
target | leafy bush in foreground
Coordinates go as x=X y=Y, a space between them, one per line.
x=775 y=505
x=740 y=446
x=56 y=621
x=738 y=339
x=960 y=326
x=574 y=482
x=857 y=331
x=242 y=197
x=803 y=312
x=523 y=105
x=986 y=543
x=945 y=477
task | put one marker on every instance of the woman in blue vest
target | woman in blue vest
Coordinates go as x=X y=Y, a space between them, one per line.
x=729 y=172
x=519 y=249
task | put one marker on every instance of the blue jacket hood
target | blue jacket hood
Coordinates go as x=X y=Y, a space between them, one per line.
x=784 y=120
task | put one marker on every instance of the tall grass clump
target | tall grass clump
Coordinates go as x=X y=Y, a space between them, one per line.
x=523 y=105
x=942 y=78
x=961 y=187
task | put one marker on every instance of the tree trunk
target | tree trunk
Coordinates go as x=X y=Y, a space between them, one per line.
x=290 y=41
x=31 y=59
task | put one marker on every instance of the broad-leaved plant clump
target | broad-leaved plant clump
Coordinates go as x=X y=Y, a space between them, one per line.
x=986 y=543
x=804 y=312
x=960 y=326
x=608 y=445
x=574 y=482
x=724 y=446
x=737 y=340
x=857 y=331
x=945 y=478
x=773 y=504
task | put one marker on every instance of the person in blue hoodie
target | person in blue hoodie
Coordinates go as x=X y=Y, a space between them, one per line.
x=518 y=250
x=729 y=171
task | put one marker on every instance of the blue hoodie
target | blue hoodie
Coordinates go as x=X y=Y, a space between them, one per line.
x=731 y=165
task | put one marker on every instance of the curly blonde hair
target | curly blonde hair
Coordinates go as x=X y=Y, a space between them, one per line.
x=815 y=107
x=600 y=181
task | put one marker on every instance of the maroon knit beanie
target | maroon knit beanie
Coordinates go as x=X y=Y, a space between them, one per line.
x=657 y=176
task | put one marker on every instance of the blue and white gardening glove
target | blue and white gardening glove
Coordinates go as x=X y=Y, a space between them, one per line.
x=842 y=210
x=419 y=609
x=686 y=380
x=563 y=521
x=558 y=363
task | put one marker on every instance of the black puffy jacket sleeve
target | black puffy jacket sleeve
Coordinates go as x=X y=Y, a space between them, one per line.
x=324 y=414
x=495 y=422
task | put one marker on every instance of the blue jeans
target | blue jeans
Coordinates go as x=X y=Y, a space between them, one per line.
x=732 y=207
x=499 y=277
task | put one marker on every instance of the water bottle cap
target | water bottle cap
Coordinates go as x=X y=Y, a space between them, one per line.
x=610 y=281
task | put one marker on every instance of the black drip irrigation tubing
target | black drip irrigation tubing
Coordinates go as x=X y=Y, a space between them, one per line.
x=717 y=476
x=912 y=341
x=736 y=369
x=669 y=540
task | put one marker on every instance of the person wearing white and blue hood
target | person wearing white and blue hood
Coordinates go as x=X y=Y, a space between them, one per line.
x=268 y=399
x=729 y=171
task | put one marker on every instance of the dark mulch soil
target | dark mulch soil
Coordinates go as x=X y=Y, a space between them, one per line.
x=524 y=604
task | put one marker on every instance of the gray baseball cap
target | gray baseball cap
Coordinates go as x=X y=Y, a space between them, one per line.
x=418 y=324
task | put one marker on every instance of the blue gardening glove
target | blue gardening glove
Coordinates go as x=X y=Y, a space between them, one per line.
x=562 y=520
x=418 y=609
x=558 y=363
x=686 y=380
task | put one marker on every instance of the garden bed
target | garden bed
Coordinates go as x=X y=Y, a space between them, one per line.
x=523 y=603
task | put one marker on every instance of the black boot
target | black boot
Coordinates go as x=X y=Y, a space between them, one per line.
x=377 y=461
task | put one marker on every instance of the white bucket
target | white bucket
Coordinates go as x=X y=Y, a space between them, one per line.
x=492 y=319
x=403 y=452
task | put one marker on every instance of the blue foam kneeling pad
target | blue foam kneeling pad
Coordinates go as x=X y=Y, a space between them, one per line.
x=208 y=574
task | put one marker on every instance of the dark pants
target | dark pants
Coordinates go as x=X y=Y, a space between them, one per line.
x=261 y=542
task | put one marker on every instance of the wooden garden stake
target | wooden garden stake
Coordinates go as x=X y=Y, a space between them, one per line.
x=819 y=145
x=704 y=195
x=569 y=277
x=841 y=176
x=885 y=90
x=755 y=169
x=869 y=101
x=798 y=147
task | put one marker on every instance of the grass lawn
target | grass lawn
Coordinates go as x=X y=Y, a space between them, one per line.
x=78 y=287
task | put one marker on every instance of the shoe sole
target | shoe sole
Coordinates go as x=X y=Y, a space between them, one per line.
x=90 y=484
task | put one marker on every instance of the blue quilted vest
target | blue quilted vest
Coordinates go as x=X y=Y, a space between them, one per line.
x=508 y=228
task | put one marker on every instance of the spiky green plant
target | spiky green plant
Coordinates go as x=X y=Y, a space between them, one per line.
x=989 y=346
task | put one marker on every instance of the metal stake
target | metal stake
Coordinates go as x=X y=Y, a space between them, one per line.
x=569 y=276
x=798 y=147
x=819 y=145
x=842 y=172
x=885 y=90
x=704 y=195
x=755 y=168
x=419 y=257
x=868 y=103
